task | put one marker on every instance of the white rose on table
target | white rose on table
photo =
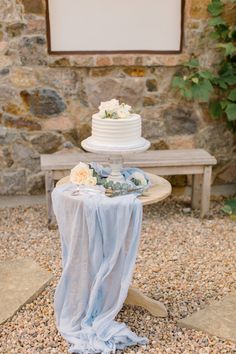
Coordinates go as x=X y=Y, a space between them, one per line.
x=140 y=177
x=82 y=174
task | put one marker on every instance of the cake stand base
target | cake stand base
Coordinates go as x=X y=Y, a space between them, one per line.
x=115 y=155
x=116 y=164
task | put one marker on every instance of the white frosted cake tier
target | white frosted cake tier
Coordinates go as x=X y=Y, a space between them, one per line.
x=118 y=133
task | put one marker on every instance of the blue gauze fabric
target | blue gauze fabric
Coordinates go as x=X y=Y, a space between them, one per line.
x=126 y=172
x=99 y=239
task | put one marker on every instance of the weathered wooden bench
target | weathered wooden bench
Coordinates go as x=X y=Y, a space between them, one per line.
x=195 y=162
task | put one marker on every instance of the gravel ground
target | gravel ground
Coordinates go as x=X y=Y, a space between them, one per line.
x=183 y=261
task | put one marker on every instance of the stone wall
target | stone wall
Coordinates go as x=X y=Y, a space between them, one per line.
x=46 y=101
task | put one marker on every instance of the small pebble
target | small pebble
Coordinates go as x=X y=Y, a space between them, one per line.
x=187 y=210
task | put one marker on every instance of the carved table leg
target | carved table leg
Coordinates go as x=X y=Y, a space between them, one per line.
x=137 y=298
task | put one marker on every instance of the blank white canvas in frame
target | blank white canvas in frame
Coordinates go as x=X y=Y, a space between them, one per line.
x=115 y=25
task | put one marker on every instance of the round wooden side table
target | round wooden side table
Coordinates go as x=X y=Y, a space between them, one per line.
x=159 y=190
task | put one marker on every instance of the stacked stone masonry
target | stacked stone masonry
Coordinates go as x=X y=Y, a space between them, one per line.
x=46 y=101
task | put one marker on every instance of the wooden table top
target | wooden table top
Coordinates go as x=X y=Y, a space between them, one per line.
x=159 y=190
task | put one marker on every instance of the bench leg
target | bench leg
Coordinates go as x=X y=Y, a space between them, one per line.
x=196 y=191
x=49 y=184
x=206 y=191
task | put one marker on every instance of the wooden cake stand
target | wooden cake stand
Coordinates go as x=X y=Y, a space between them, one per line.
x=159 y=190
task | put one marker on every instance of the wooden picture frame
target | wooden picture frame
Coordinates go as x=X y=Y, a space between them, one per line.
x=111 y=32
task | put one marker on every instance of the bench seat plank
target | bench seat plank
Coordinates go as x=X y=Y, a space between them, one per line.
x=160 y=158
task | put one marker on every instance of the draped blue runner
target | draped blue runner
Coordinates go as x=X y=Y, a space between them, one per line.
x=99 y=239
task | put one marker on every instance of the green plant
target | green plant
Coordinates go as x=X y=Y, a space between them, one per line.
x=218 y=85
x=230 y=208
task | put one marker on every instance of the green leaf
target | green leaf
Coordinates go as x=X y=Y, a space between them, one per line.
x=206 y=75
x=227 y=73
x=230 y=80
x=187 y=93
x=193 y=63
x=224 y=104
x=232 y=204
x=233 y=34
x=230 y=49
x=226 y=68
x=215 y=109
x=178 y=82
x=202 y=90
x=231 y=111
x=214 y=35
x=215 y=8
x=220 y=82
x=216 y=21
x=225 y=34
x=232 y=95
x=227 y=210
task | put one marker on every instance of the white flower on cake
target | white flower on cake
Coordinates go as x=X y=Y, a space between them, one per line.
x=123 y=111
x=114 y=110
x=82 y=174
x=111 y=105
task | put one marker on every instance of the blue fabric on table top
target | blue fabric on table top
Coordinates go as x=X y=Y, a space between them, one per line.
x=99 y=239
x=100 y=170
x=128 y=171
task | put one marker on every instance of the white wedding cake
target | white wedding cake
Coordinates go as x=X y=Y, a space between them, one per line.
x=115 y=126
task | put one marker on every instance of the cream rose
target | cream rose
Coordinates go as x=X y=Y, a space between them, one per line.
x=91 y=181
x=81 y=173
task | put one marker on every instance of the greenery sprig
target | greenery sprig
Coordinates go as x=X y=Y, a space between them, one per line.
x=230 y=208
x=218 y=85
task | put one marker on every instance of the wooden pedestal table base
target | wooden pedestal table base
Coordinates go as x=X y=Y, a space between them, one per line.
x=137 y=298
x=160 y=190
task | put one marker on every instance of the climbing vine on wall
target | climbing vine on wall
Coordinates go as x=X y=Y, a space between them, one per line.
x=216 y=86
